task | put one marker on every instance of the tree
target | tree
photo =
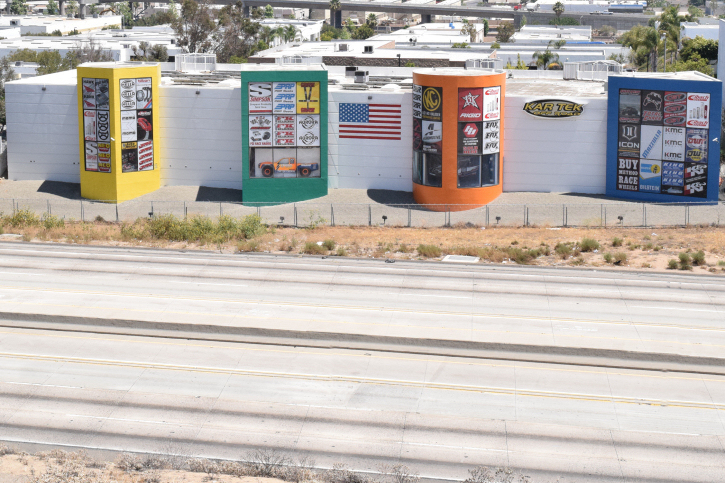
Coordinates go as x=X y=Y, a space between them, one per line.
x=485 y=26
x=607 y=31
x=335 y=6
x=236 y=35
x=150 y=53
x=53 y=8
x=706 y=49
x=71 y=8
x=194 y=26
x=470 y=30
x=86 y=52
x=505 y=32
x=545 y=58
x=695 y=12
x=409 y=64
x=289 y=33
x=268 y=11
x=519 y=64
x=372 y=20
x=558 y=9
x=695 y=62
x=642 y=40
x=122 y=9
x=6 y=74
x=363 y=32
x=495 y=45
x=18 y=7
x=267 y=34
x=557 y=44
x=460 y=45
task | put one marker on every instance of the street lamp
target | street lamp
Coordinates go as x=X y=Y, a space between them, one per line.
x=663 y=37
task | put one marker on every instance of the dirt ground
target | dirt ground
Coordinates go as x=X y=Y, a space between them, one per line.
x=629 y=249
x=67 y=467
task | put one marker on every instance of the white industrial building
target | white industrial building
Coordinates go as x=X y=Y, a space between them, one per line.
x=47 y=24
x=202 y=131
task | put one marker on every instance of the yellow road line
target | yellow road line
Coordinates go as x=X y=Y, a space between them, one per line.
x=375 y=381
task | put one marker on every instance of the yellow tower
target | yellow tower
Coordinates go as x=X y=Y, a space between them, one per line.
x=118 y=114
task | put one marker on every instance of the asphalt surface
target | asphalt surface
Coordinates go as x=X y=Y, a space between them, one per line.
x=357 y=207
x=571 y=374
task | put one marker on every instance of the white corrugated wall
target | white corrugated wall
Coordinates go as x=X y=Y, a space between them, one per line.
x=370 y=163
x=202 y=141
x=555 y=155
x=42 y=132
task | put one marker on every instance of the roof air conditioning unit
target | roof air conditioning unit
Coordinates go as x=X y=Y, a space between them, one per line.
x=362 y=76
x=342 y=47
x=350 y=71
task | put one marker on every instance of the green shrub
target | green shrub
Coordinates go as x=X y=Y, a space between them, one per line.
x=608 y=258
x=429 y=251
x=721 y=263
x=620 y=258
x=23 y=218
x=404 y=248
x=563 y=250
x=698 y=258
x=51 y=221
x=329 y=244
x=312 y=248
x=617 y=242
x=341 y=252
x=588 y=245
x=685 y=261
x=672 y=264
x=252 y=226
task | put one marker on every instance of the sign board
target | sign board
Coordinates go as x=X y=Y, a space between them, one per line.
x=553 y=108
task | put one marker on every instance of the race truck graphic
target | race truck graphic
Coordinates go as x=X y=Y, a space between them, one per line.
x=287 y=165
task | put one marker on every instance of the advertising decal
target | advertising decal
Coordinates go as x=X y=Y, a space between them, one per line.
x=417 y=102
x=260 y=97
x=308 y=130
x=698 y=107
x=96 y=124
x=308 y=98
x=137 y=129
x=432 y=137
x=470 y=105
x=668 y=132
x=260 y=131
x=432 y=103
x=491 y=103
x=553 y=108
x=628 y=174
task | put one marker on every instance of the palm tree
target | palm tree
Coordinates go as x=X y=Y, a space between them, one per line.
x=290 y=33
x=267 y=34
x=335 y=6
x=557 y=44
x=642 y=40
x=545 y=58
x=372 y=20
x=558 y=9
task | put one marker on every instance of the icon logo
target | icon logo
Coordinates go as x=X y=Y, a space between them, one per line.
x=629 y=132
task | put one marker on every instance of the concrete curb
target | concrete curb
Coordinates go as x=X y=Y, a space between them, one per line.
x=580 y=356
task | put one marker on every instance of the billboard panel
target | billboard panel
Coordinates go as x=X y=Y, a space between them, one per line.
x=308 y=98
x=260 y=97
x=470 y=104
x=698 y=107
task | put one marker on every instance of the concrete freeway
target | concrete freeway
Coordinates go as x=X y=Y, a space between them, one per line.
x=365 y=362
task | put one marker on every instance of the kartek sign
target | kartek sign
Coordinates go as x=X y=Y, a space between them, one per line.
x=553 y=108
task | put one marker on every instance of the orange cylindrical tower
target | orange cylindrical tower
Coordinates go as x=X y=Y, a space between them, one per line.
x=457 y=137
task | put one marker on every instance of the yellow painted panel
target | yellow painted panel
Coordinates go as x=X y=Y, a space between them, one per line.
x=126 y=165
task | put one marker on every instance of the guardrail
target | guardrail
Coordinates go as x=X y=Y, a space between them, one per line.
x=624 y=214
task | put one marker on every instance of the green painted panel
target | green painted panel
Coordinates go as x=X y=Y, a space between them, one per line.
x=283 y=190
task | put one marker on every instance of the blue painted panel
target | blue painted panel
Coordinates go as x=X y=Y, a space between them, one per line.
x=651 y=154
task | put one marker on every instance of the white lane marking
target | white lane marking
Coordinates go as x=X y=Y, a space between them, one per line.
x=662 y=432
x=41 y=385
x=427 y=295
x=454 y=447
x=205 y=283
x=21 y=273
x=126 y=420
x=674 y=308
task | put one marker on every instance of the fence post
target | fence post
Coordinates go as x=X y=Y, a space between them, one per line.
x=116 y=212
x=295 y=214
x=644 y=208
x=566 y=216
x=643 y=216
x=259 y=211
x=82 y=215
x=185 y=210
x=47 y=207
x=13 y=206
x=410 y=216
x=601 y=214
x=526 y=221
x=220 y=209
x=370 y=215
x=487 y=218
x=605 y=216
x=563 y=216
x=332 y=215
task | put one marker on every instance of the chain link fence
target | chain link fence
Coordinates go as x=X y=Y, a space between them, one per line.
x=305 y=214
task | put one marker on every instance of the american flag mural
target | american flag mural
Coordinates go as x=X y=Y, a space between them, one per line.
x=370 y=121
